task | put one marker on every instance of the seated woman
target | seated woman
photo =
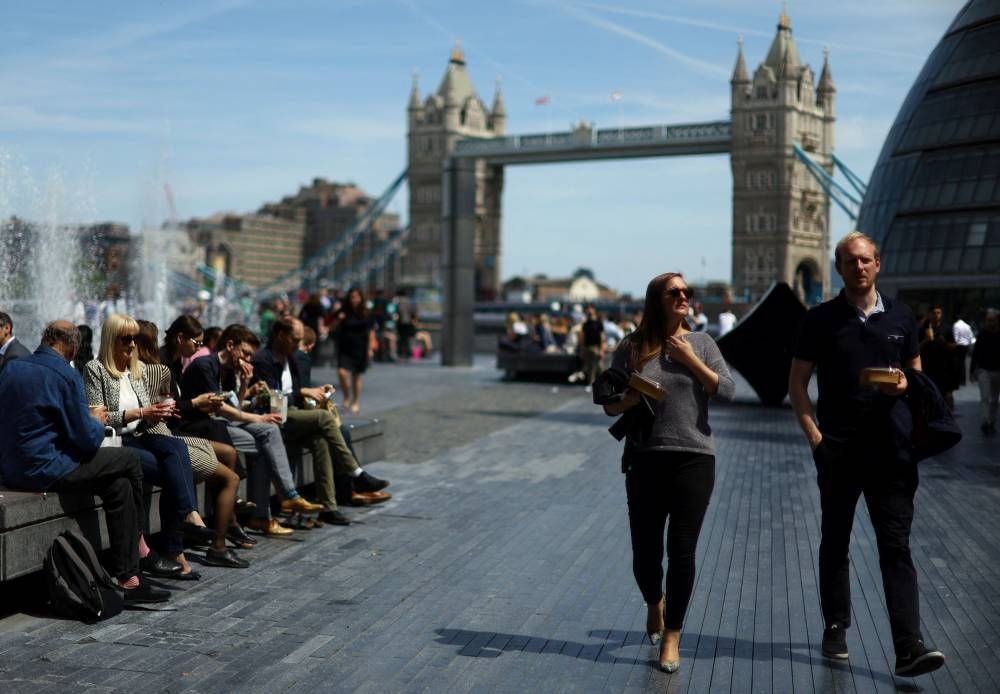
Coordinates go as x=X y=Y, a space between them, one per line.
x=212 y=459
x=117 y=380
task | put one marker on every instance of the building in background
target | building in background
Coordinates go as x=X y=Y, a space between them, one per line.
x=329 y=211
x=581 y=288
x=251 y=248
x=454 y=112
x=933 y=202
x=781 y=216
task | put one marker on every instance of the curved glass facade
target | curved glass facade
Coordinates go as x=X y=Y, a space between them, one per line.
x=933 y=202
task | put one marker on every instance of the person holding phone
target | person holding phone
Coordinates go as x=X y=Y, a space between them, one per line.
x=670 y=473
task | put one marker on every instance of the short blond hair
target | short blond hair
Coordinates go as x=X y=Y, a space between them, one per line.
x=116 y=325
x=851 y=238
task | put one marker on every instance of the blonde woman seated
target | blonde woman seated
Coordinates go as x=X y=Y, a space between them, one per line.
x=212 y=461
x=117 y=380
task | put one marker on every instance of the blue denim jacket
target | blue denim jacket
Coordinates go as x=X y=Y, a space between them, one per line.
x=46 y=428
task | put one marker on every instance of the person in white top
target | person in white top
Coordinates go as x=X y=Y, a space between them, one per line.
x=727 y=320
x=962 y=333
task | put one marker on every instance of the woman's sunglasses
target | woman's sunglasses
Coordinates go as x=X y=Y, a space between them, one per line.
x=196 y=343
x=127 y=340
x=676 y=292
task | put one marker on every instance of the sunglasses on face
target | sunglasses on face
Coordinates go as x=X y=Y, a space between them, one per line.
x=676 y=292
x=196 y=343
x=126 y=340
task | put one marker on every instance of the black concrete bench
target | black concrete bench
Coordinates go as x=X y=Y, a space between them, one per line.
x=544 y=365
x=29 y=522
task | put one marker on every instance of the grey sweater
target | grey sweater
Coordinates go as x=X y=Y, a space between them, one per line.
x=681 y=418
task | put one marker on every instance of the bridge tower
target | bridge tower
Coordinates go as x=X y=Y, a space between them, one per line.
x=781 y=216
x=454 y=112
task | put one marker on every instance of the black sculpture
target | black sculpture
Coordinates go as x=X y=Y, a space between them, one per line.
x=760 y=346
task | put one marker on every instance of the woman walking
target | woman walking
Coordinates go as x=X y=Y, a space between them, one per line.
x=669 y=460
x=355 y=330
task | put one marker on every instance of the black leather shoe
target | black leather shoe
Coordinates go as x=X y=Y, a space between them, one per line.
x=368 y=483
x=155 y=565
x=145 y=594
x=835 y=642
x=226 y=558
x=197 y=534
x=238 y=536
x=334 y=518
x=919 y=660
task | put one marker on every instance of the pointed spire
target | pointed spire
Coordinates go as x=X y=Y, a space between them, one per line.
x=457 y=56
x=783 y=57
x=498 y=105
x=415 y=91
x=825 y=77
x=740 y=75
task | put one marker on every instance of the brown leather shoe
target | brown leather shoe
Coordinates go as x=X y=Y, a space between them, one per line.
x=368 y=498
x=268 y=526
x=300 y=505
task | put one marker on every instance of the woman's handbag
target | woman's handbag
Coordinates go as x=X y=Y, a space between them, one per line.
x=111 y=438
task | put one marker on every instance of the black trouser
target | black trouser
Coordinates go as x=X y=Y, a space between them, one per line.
x=114 y=474
x=661 y=485
x=888 y=480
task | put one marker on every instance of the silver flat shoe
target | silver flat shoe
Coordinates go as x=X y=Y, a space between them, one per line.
x=655 y=637
x=670 y=666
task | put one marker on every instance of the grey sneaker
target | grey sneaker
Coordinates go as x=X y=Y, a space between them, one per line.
x=835 y=642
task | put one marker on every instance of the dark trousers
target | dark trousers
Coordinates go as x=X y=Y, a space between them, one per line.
x=165 y=462
x=114 y=474
x=888 y=480
x=664 y=485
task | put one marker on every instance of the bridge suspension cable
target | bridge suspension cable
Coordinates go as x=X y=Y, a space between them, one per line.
x=849 y=202
x=336 y=250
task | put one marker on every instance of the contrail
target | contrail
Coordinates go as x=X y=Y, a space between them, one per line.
x=615 y=28
x=730 y=29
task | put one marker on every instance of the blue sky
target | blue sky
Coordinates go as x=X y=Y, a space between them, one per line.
x=239 y=102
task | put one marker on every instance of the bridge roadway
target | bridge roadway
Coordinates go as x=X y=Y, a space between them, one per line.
x=502 y=564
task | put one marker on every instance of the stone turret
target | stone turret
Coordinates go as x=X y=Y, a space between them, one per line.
x=453 y=112
x=781 y=217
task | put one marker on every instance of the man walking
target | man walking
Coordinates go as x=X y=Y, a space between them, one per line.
x=854 y=450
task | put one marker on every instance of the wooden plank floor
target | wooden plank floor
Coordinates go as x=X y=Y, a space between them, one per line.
x=503 y=565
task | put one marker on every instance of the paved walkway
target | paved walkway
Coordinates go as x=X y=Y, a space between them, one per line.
x=503 y=564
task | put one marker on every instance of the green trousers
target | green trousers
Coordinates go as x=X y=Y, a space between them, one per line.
x=319 y=432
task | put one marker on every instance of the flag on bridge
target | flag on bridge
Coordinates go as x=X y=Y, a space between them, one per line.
x=542 y=100
x=616 y=95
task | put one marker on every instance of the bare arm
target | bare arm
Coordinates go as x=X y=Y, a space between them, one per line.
x=798 y=393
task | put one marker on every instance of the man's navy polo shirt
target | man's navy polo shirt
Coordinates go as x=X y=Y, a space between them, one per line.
x=834 y=337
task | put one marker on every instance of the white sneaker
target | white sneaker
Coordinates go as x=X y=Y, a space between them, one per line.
x=587 y=389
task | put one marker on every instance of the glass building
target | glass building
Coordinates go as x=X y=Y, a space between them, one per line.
x=933 y=202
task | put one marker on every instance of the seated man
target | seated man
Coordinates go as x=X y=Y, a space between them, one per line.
x=229 y=370
x=10 y=347
x=318 y=430
x=50 y=441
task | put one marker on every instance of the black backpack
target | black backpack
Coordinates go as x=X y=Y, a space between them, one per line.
x=79 y=587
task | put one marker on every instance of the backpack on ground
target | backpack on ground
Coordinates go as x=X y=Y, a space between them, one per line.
x=79 y=587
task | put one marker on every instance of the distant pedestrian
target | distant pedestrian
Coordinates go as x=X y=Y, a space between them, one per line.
x=962 y=334
x=669 y=463
x=10 y=347
x=984 y=368
x=937 y=354
x=854 y=448
x=593 y=345
x=697 y=318
x=355 y=331
x=727 y=321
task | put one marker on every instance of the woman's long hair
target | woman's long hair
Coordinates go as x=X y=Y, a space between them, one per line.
x=362 y=309
x=85 y=352
x=647 y=340
x=187 y=326
x=145 y=343
x=114 y=327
